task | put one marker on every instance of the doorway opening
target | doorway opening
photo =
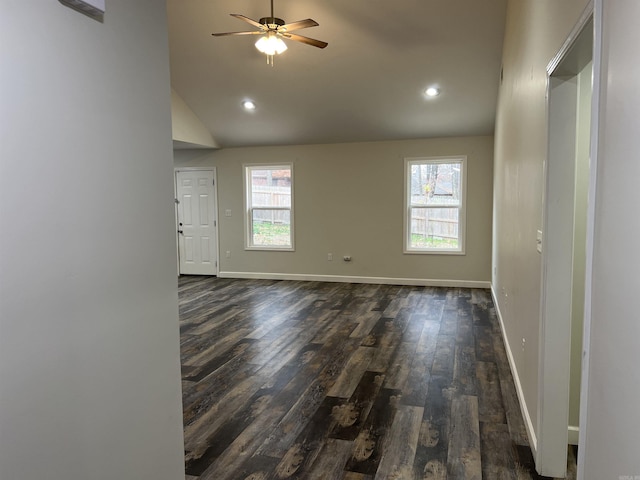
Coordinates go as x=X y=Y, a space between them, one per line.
x=564 y=256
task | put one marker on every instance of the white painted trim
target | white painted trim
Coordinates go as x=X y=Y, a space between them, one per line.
x=308 y=277
x=574 y=435
x=462 y=209
x=215 y=217
x=533 y=440
x=175 y=214
x=585 y=17
x=597 y=85
x=245 y=213
x=554 y=358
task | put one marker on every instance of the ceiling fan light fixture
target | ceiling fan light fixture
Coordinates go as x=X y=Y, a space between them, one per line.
x=249 y=105
x=271 y=44
x=271 y=30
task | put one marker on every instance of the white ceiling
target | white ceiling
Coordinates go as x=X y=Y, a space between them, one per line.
x=367 y=85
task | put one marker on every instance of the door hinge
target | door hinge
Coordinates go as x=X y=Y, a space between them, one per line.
x=177 y=201
x=215 y=223
x=213 y=182
x=216 y=264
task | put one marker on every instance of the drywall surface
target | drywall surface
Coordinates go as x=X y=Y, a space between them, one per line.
x=612 y=422
x=349 y=200
x=89 y=346
x=535 y=32
x=187 y=129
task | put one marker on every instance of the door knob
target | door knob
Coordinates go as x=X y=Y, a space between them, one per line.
x=181 y=232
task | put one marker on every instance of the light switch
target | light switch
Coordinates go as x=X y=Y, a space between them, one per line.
x=227 y=212
x=539 y=241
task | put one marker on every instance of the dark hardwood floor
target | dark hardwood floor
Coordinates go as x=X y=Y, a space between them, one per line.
x=308 y=380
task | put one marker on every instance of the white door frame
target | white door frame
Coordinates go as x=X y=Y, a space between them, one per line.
x=215 y=210
x=555 y=324
x=591 y=220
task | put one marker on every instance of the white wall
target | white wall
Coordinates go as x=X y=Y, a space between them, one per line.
x=349 y=200
x=187 y=129
x=535 y=32
x=610 y=425
x=89 y=352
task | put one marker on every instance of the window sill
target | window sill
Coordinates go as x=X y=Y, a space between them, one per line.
x=434 y=252
x=270 y=249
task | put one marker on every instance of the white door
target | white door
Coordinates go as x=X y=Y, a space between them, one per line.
x=197 y=249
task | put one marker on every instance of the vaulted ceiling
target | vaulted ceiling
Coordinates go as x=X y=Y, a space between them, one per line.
x=367 y=85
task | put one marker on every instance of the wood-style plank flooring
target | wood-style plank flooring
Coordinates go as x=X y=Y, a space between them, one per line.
x=309 y=380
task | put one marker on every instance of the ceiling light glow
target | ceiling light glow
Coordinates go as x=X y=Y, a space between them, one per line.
x=249 y=105
x=432 y=92
x=271 y=44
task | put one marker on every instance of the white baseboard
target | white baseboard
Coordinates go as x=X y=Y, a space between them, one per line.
x=533 y=440
x=425 y=282
x=574 y=434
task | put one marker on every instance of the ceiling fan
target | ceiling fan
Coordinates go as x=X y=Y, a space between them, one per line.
x=273 y=30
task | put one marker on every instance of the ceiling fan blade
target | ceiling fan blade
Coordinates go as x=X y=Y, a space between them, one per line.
x=224 y=34
x=249 y=20
x=307 y=40
x=290 y=27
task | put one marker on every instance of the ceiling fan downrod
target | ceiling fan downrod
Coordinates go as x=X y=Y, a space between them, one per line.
x=272 y=23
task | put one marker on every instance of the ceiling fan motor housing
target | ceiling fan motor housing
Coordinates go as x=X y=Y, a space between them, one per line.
x=272 y=22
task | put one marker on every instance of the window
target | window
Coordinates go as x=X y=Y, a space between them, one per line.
x=269 y=207
x=435 y=205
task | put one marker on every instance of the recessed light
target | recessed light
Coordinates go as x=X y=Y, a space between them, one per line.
x=249 y=105
x=432 y=92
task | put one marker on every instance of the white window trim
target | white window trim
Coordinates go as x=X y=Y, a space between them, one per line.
x=247 y=216
x=408 y=161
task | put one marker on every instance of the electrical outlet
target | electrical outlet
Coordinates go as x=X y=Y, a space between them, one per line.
x=524 y=341
x=330 y=257
x=347 y=258
x=227 y=212
x=228 y=253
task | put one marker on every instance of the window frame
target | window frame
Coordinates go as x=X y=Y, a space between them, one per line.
x=248 y=208
x=462 y=207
